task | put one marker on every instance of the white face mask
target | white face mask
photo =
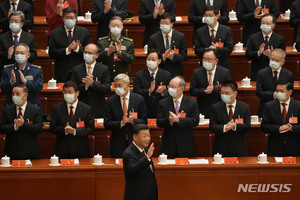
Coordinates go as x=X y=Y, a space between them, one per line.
x=151 y=64
x=88 y=58
x=69 y=98
x=115 y=31
x=14 y=27
x=120 y=91
x=280 y=96
x=172 y=92
x=70 y=23
x=165 y=28
x=17 y=100
x=274 y=65
x=226 y=98
x=20 y=58
x=266 y=28
x=207 y=65
x=210 y=20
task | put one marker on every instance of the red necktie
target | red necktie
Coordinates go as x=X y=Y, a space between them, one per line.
x=124 y=107
x=212 y=36
x=20 y=112
x=230 y=112
x=71 y=114
x=70 y=38
x=210 y=78
x=283 y=112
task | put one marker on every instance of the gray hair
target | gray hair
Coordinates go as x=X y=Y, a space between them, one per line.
x=123 y=77
x=182 y=81
x=18 y=13
x=279 y=51
x=24 y=45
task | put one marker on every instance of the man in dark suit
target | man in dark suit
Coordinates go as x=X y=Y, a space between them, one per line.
x=260 y=45
x=22 y=72
x=150 y=14
x=281 y=122
x=122 y=111
x=72 y=122
x=9 y=6
x=207 y=81
x=93 y=80
x=104 y=10
x=177 y=114
x=298 y=40
x=171 y=45
x=230 y=120
x=214 y=36
x=251 y=11
x=152 y=82
x=66 y=45
x=21 y=122
x=10 y=39
x=138 y=166
x=197 y=11
x=295 y=16
x=267 y=78
x=116 y=51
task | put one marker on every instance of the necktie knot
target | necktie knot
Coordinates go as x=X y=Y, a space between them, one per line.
x=283 y=104
x=266 y=38
x=16 y=36
x=20 y=109
x=20 y=112
x=152 y=75
x=71 y=107
x=14 y=6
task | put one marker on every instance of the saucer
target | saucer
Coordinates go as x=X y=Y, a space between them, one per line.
x=53 y=165
x=246 y=86
x=98 y=164
x=255 y=122
x=160 y=163
x=262 y=162
x=5 y=165
x=217 y=163
x=239 y=51
x=51 y=88
x=233 y=18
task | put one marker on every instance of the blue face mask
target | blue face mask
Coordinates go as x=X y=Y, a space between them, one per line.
x=280 y=96
x=172 y=92
x=165 y=28
x=20 y=58
x=70 y=23
x=209 y=20
x=88 y=58
x=226 y=98
x=266 y=28
x=14 y=27
x=115 y=31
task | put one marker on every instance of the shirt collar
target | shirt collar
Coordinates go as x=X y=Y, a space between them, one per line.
x=141 y=150
x=233 y=105
x=287 y=102
x=213 y=71
x=92 y=65
x=127 y=96
x=23 y=107
x=74 y=104
x=18 y=34
x=155 y=72
x=179 y=100
x=169 y=34
x=264 y=35
x=278 y=70
x=67 y=30
x=215 y=28
x=17 y=2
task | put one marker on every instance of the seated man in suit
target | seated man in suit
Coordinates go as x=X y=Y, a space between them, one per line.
x=230 y=120
x=177 y=114
x=10 y=39
x=116 y=51
x=22 y=72
x=298 y=40
x=267 y=78
x=214 y=36
x=250 y=12
x=21 y=122
x=281 y=121
x=138 y=166
x=295 y=17
x=54 y=12
x=260 y=45
x=207 y=81
x=151 y=82
x=171 y=45
x=123 y=110
x=9 y=6
x=72 y=122
x=150 y=14
x=197 y=9
x=93 y=80
x=66 y=45
x=104 y=10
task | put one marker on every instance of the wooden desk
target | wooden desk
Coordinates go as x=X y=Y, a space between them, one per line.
x=207 y=181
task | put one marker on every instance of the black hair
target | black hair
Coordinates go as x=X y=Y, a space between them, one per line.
x=21 y=85
x=71 y=84
x=274 y=20
x=216 y=10
x=69 y=10
x=138 y=128
x=155 y=51
x=166 y=15
x=231 y=84
x=289 y=86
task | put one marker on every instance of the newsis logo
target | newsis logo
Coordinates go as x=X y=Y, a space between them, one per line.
x=264 y=188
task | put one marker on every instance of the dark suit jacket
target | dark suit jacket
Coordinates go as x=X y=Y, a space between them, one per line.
x=140 y=180
x=57 y=49
x=22 y=144
x=254 y=42
x=69 y=146
x=94 y=95
x=146 y=16
x=118 y=8
x=284 y=144
x=295 y=16
x=179 y=136
x=298 y=40
x=265 y=85
x=203 y=41
x=141 y=85
x=199 y=83
x=24 y=7
x=231 y=143
x=245 y=14
x=156 y=41
x=113 y=116
x=6 y=41
x=197 y=11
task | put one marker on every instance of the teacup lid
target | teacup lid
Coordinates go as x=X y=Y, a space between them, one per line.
x=246 y=78
x=88 y=12
x=217 y=154
x=52 y=80
x=54 y=156
x=97 y=155
x=5 y=156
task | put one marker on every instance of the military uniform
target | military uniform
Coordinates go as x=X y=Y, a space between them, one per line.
x=116 y=63
x=34 y=82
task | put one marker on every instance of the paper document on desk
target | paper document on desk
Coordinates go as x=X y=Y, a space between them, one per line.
x=278 y=159
x=198 y=161
x=28 y=162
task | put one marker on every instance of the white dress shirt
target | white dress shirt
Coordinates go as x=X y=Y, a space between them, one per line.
x=16 y=6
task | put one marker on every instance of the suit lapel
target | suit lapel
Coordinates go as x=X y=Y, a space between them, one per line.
x=236 y=110
x=173 y=40
x=290 y=111
x=171 y=103
x=65 y=112
x=207 y=35
x=83 y=71
x=225 y=113
x=65 y=35
x=10 y=40
x=147 y=75
x=131 y=103
x=162 y=39
x=182 y=107
x=278 y=111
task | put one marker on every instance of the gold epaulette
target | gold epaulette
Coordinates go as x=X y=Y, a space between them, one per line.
x=37 y=66
x=103 y=38
x=129 y=39
x=6 y=66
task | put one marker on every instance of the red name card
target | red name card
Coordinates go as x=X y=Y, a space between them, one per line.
x=80 y=124
x=163 y=86
x=18 y=163
x=239 y=121
x=134 y=115
x=119 y=161
x=175 y=51
x=220 y=85
x=220 y=44
x=181 y=114
x=67 y=162
x=181 y=161
x=151 y=121
x=293 y=120
x=229 y=161
x=265 y=10
x=289 y=160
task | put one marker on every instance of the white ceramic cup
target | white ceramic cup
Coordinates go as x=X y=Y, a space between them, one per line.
x=88 y=16
x=262 y=157
x=218 y=158
x=246 y=82
x=97 y=159
x=5 y=160
x=146 y=48
x=238 y=46
x=254 y=118
x=232 y=14
x=52 y=83
x=162 y=158
x=54 y=160
x=201 y=119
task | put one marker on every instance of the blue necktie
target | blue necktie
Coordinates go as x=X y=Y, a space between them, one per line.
x=16 y=41
x=208 y=3
x=14 y=6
